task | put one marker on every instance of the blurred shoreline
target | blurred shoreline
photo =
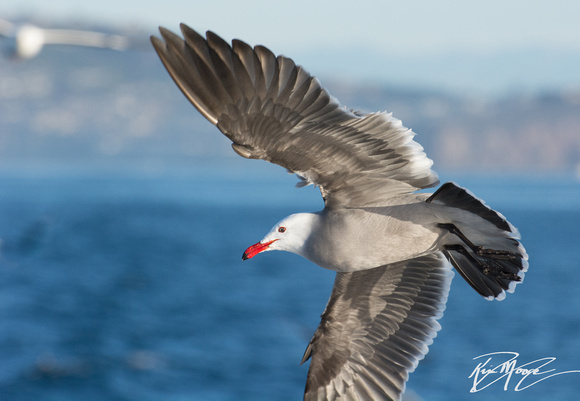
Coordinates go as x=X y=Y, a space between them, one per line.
x=96 y=106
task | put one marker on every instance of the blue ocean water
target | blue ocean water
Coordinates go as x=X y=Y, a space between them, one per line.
x=124 y=284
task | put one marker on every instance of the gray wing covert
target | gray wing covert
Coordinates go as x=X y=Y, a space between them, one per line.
x=376 y=327
x=274 y=110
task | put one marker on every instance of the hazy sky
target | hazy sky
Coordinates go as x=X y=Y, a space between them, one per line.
x=369 y=37
x=408 y=26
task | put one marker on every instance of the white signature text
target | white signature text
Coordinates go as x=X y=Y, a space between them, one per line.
x=497 y=366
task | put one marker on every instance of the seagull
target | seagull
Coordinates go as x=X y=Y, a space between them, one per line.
x=392 y=247
x=28 y=39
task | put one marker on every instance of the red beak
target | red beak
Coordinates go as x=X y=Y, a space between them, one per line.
x=256 y=249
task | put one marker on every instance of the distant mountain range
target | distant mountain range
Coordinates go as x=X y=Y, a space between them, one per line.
x=94 y=106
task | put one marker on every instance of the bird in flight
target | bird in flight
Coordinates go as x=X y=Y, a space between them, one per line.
x=28 y=40
x=392 y=248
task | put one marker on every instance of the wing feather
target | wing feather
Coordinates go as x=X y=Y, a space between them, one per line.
x=274 y=110
x=376 y=327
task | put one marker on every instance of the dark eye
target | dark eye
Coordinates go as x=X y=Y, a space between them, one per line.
x=282 y=229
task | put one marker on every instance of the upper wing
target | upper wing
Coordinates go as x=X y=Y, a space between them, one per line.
x=6 y=28
x=376 y=327
x=274 y=110
x=85 y=38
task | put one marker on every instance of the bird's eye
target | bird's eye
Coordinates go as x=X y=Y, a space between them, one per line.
x=282 y=229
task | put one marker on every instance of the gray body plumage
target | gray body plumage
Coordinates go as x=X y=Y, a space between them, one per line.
x=392 y=248
x=404 y=227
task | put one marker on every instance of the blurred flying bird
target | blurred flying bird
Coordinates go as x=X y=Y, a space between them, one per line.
x=26 y=41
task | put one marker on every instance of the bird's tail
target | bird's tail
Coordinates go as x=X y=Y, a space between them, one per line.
x=480 y=243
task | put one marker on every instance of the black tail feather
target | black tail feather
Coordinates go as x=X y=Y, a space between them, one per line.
x=451 y=194
x=488 y=276
x=487 y=255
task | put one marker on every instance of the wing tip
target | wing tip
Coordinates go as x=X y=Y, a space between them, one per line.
x=307 y=353
x=156 y=41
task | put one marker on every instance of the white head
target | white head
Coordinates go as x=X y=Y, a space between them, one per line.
x=289 y=235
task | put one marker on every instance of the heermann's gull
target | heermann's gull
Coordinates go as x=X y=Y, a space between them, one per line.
x=392 y=248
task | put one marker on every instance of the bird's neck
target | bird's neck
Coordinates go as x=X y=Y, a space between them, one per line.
x=310 y=223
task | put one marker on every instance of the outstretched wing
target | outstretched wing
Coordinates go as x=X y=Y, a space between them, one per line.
x=274 y=110
x=376 y=327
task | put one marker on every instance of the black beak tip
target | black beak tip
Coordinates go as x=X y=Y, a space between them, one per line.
x=245 y=256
